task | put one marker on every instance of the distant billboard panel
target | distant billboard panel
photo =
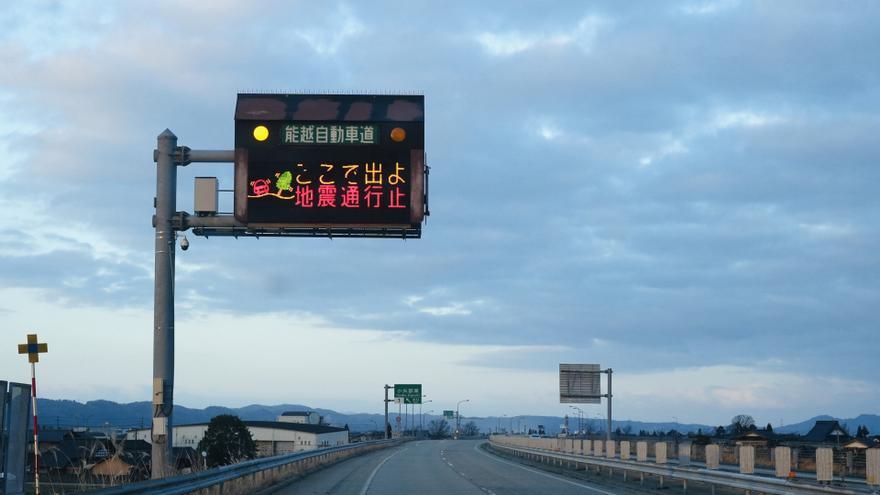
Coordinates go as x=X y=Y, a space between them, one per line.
x=580 y=384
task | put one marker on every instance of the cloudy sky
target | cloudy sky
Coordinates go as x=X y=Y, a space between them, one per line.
x=685 y=191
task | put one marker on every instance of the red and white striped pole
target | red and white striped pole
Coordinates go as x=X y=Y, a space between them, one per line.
x=33 y=348
x=36 y=429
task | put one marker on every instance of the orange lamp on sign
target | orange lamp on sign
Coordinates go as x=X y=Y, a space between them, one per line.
x=398 y=134
x=261 y=133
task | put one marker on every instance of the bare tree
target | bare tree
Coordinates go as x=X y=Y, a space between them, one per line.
x=438 y=428
x=470 y=429
x=742 y=423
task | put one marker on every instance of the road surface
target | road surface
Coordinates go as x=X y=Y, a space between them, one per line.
x=439 y=467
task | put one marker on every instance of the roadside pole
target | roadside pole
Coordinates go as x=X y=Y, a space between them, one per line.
x=608 y=428
x=163 y=305
x=36 y=429
x=32 y=348
x=386 y=432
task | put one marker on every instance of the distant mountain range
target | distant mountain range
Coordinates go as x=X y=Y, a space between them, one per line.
x=102 y=413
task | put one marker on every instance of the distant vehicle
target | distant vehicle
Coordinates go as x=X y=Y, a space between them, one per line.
x=534 y=435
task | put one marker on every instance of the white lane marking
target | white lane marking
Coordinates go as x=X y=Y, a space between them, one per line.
x=547 y=475
x=376 y=470
x=460 y=473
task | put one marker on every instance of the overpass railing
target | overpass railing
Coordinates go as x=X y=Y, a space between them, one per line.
x=617 y=457
x=247 y=477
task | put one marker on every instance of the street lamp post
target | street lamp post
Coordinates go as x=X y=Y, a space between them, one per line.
x=422 y=415
x=428 y=413
x=580 y=418
x=458 y=418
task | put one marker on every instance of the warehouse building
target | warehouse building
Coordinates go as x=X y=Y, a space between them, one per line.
x=305 y=417
x=271 y=437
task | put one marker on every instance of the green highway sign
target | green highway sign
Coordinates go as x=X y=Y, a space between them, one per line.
x=449 y=415
x=411 y=393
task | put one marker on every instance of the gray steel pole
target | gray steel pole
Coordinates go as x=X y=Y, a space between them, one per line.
x=163 y=306
x=385 y=428
x=608 y=432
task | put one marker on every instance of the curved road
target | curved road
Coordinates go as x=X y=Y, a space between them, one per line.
x=437 y=467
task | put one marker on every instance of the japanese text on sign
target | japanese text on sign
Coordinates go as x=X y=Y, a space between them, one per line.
x=328 y=134
x=330 y=185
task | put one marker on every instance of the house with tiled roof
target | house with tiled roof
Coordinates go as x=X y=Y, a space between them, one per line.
x=826 y=432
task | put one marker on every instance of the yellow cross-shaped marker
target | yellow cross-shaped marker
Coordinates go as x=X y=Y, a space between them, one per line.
x=33 y=348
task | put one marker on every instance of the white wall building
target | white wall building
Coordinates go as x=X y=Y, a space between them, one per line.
x=271 y=437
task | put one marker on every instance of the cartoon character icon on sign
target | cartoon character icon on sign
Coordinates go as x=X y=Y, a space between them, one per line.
x=260 y=187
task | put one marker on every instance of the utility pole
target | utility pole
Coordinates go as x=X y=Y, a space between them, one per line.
x=163 y=305
x=608 y=429
x=387 y=424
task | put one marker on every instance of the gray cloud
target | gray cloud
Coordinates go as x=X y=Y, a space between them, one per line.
x=695 y=188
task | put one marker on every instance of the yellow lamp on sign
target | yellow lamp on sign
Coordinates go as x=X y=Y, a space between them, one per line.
x=398 y=134
x=261 y=132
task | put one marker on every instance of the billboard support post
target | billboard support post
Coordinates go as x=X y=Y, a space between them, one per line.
x=163 y=305
x=387 y=427
x=608 y=429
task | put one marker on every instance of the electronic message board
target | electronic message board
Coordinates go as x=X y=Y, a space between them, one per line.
x=329 y=160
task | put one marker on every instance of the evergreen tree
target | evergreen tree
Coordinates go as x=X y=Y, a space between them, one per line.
x=227 y=441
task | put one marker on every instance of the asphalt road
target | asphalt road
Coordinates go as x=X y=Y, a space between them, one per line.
x=438 y=467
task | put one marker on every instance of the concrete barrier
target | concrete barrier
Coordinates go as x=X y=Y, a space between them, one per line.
x=824 y=464
x=660 y=452
x=625 y=450
x=747 y=459
x=642 y=451
x=782 y=458
x=713 y=456
x=872 y=467
x=713 y=479
x=684 y=454
x=782 y=461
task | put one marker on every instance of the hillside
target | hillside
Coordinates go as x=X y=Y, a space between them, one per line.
x=103 y=413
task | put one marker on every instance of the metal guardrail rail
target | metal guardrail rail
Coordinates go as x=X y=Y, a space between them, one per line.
x=713 y=478
x=205 y=480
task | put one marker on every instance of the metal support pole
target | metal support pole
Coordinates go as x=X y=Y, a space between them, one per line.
x=36 y=429
x=608 y=429
x=163 y=306
x=387 y=424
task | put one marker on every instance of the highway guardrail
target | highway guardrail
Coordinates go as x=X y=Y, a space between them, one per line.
x=686 y=475
x=246 y=477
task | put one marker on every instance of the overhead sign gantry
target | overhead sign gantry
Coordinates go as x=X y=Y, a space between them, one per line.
x=306 y=165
